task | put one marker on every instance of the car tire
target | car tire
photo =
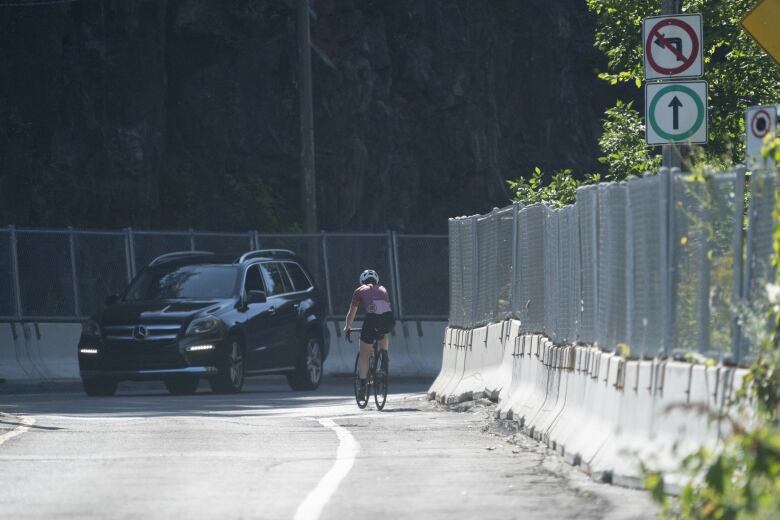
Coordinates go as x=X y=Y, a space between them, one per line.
x=308 y=370
x=99 y=387
x=232 y=370
x=182 y=385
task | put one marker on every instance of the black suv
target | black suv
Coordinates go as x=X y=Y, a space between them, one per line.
x=194 y=314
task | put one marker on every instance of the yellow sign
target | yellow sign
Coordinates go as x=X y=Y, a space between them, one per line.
x=763 y=23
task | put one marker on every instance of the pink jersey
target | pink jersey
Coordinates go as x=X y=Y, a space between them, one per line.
x=372 y=299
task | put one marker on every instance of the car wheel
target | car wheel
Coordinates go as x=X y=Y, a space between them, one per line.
x=308 y=371
x=182 y=385
x=230 y=378
x=99 y=387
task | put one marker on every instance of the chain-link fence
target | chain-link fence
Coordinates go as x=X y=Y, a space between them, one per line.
x=65 y=275
x=654 y=264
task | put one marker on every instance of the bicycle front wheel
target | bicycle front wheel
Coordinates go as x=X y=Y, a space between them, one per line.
x=380 y=381
x=361 y=397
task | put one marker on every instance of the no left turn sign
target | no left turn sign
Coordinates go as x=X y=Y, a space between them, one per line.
x=672 y=46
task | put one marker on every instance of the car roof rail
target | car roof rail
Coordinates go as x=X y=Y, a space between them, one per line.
x=177 y=254
x=264 y=252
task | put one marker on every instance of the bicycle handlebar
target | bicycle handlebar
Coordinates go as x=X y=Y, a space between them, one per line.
x=349 y=332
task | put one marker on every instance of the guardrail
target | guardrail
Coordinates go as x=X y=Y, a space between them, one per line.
x=64 y=275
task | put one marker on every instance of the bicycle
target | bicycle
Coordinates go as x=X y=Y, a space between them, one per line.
x=377 y=376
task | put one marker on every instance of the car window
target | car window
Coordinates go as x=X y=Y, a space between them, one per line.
x=276 y=280
x=253 y=281
x=182 y=282
x=299 y=279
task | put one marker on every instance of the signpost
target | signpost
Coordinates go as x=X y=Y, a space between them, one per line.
x=676 y=112
x=673 y=46
x=760 y=122
x=762 y=24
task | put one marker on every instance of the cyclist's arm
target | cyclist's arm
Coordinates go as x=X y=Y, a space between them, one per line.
x=350 y=317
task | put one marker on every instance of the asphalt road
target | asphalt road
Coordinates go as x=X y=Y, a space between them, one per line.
x=272 y=453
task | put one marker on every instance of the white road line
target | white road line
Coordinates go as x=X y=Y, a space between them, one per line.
x=26 y=423
x=311 y=508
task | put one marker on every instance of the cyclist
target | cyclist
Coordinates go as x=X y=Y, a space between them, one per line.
x=372 y=299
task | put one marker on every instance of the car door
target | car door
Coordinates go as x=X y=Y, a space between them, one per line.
x=284 y=314
x=303 y=298
x=259 y=323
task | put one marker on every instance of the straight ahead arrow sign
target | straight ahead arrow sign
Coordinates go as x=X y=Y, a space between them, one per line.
x=675 y=104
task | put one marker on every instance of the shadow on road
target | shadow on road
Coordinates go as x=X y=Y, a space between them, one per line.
x=150 y=400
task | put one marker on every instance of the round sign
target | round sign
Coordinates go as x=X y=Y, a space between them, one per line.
x=685 y=128
x=656 y=39
x=760 y=123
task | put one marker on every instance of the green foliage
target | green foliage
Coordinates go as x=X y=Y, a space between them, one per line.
x=740 y=74
x=738 y=481
x=623 y=144
x=559 y=191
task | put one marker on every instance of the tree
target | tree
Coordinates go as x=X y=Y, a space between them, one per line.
x=740 y=74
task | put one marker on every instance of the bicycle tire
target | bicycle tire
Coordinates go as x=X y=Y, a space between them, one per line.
x=361 y=400
x=380 y=381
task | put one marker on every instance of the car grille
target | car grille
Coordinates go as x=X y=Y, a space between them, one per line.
x=143 y=332
x=129 y=349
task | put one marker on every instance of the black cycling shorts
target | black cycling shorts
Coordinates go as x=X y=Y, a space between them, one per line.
x=375 y=326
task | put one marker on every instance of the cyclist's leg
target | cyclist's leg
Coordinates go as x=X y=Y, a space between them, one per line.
x=365 y=354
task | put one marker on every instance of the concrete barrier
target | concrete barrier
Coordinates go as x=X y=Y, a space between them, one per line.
x=39 y=352
x=596 y=409
x=449 y=346
x=415 y=349
x=13 y=366
x=55 y=350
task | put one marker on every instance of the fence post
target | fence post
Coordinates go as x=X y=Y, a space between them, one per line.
x=703 y=292
x=514 y=303
x=130 y=253
x=664 y=192
x=594 y=223
x=327 y=272
x=397 y=270
x=671 y=308
x=192 y=239
x=15 y=272
x=256 y=235
x=73 y=271
x=629 y=273
x=251 y=240
x=474 y=271
x=393 y=277
x=738 y=289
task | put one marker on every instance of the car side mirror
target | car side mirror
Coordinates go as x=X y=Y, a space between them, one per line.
x=256 y=297
x=111 y=299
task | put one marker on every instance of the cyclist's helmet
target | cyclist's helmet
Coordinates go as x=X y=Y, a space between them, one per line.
x=369 y=276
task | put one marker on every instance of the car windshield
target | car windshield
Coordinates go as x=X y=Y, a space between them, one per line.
x=183 y=282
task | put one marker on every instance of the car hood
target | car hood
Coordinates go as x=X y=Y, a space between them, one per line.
x=134 y=312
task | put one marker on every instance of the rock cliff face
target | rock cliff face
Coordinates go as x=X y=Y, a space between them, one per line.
x=154 y=113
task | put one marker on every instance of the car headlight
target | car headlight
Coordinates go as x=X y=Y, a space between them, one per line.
x=90 y=328
x=203 y=325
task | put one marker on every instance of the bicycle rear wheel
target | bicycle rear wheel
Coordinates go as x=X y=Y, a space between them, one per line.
x=361 y=398
x=380 y=381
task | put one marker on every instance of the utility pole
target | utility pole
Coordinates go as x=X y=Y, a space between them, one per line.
x=308 y=175
x=672 y=154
